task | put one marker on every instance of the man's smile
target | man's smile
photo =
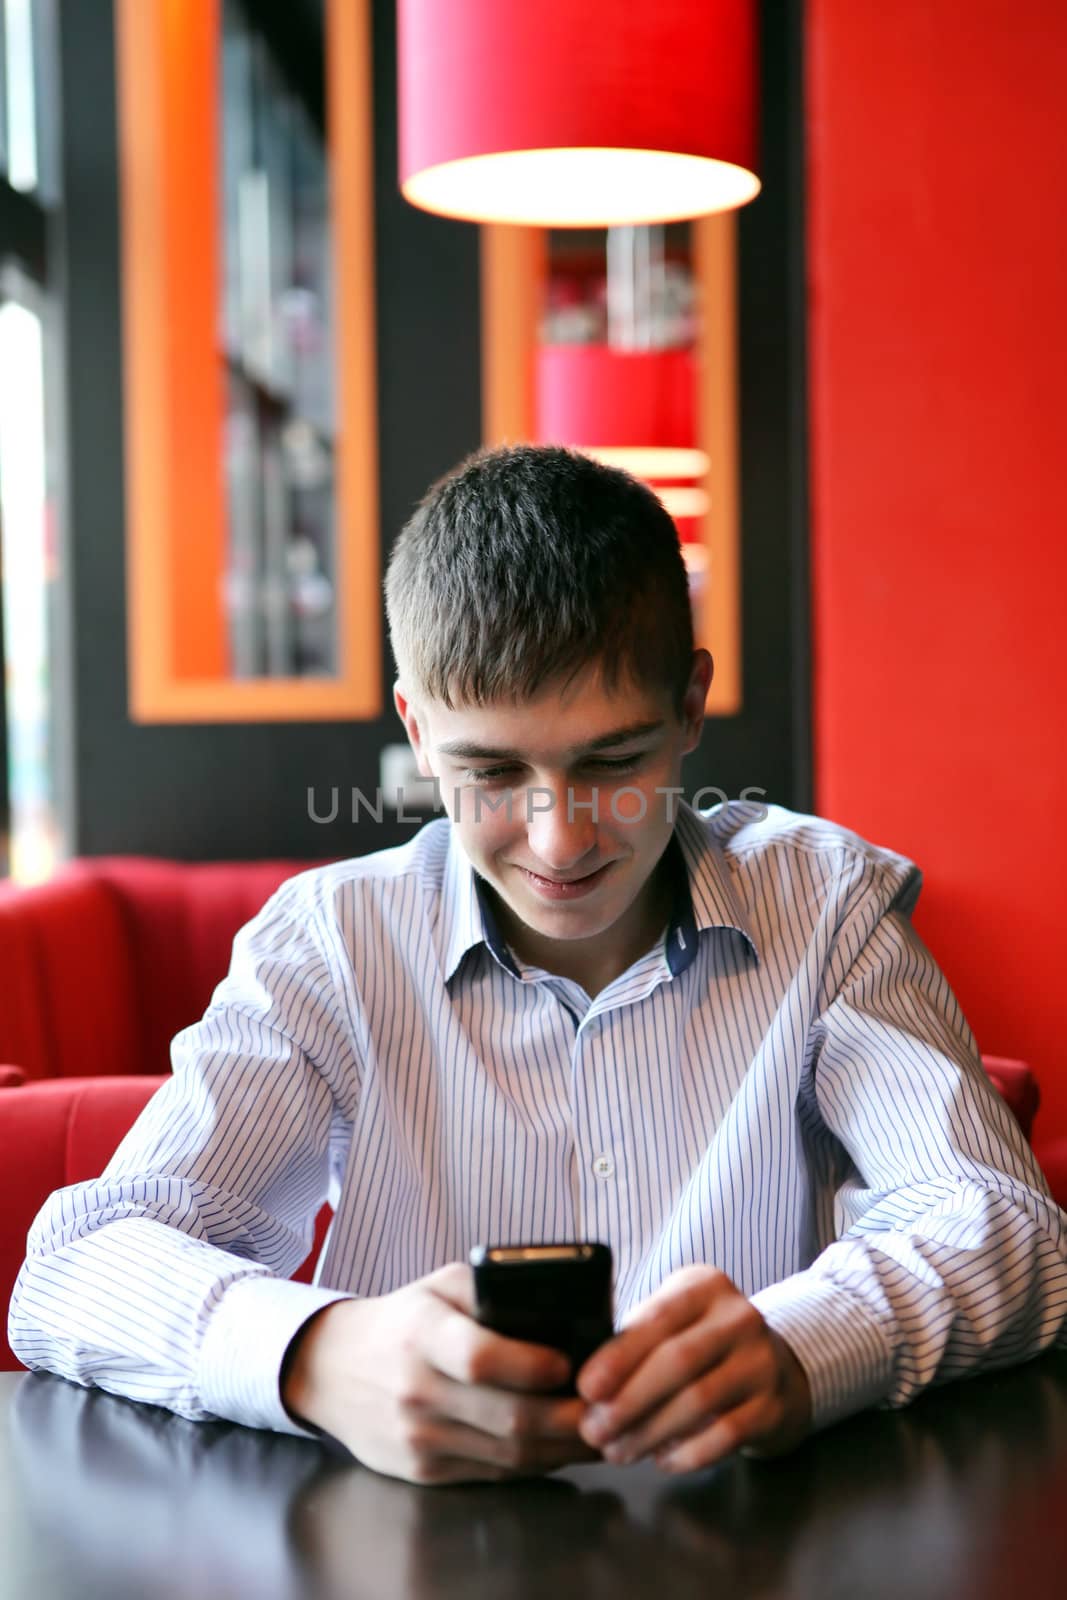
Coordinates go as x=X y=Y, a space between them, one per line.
x=566 y=888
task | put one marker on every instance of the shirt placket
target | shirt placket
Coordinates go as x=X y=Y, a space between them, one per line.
x=606 y=1141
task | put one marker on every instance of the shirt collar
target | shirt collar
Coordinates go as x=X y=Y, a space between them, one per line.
x=461 y=926
x=704 y=897
x=714 y=900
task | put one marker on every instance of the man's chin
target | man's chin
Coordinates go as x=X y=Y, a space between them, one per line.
x=561 y=931
x=564 y=919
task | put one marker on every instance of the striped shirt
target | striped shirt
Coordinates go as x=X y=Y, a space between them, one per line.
x=783 y=1086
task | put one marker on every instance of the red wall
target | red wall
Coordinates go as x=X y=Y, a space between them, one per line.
x=937 y=227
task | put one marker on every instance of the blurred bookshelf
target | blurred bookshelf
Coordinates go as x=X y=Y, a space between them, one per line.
x=275 y=329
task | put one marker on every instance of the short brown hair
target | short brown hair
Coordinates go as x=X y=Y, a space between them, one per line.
x=528 y=563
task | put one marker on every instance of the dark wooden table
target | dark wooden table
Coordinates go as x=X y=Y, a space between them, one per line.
x=961 y=1497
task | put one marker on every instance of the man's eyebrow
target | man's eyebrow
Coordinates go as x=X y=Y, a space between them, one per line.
x=467 y=751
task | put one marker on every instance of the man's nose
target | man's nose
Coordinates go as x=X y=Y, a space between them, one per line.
x=561 y=826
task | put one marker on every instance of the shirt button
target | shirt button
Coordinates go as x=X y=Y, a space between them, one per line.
x=603 y=1166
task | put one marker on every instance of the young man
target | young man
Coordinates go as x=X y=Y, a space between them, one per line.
x=574 y=1008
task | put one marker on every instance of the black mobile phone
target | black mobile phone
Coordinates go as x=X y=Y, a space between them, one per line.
x=554 y=1294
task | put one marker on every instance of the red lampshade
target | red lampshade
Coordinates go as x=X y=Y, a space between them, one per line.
x=572 y=113
x=629 y=408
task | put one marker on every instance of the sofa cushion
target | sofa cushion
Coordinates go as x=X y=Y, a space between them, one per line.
x=69 y=1002
x=105 y=963
x=180 y=919
x=1015 y=1081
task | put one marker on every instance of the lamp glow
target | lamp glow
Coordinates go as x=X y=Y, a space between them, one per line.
x=651 y=461
x=580 y=188
x=684 y=500
x=577 y=113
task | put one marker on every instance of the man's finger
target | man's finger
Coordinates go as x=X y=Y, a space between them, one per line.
x=507 y=1414
x=694 y=1280
x=451 y=1342
x=682 y=1412
x=483 y=1356
x=526 y=1453
x=656 y=1319
x=454 y=1469
x=454 y=1283
x=731 y=1431
x=698 y=1353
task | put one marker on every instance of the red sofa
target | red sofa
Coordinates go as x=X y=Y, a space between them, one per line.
x=105 y=963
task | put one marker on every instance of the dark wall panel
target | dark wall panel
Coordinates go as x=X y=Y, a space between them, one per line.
x=767 y=745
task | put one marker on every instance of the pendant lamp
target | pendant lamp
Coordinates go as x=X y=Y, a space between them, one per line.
x=577 y=113
x=629 y=408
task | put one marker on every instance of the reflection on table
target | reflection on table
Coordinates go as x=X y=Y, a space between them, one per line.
x=961 y=1496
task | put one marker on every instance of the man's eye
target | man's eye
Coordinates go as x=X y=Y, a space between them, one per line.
x=599 y=764
x=486 y=774
x=619 y=764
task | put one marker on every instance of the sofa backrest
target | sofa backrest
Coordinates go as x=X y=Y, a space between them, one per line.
x=104 y=964
x=180 y=919
x=68 y=1003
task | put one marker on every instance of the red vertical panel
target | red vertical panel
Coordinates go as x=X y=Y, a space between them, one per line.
x=937 y=230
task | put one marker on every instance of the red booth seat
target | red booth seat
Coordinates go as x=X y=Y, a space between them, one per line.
x=105 y=963
x=1015 y=1081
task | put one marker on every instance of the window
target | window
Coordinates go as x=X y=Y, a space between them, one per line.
x=33 y=637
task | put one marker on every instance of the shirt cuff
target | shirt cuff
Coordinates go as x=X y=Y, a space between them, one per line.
x=242 y=1352
x=845 y=1355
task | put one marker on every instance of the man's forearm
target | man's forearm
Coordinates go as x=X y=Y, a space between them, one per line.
x=884 y=1312
x=144 y=1310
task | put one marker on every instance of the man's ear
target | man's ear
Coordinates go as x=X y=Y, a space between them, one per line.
x=414 y=727
x=696 y=695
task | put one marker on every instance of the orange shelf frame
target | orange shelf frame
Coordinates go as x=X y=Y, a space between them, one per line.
x=167 y=70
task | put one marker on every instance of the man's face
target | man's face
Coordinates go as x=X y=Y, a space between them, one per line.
x=556 y=800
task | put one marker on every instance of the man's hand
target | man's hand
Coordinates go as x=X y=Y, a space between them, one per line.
x=695 y=1374
x=417 y=1389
